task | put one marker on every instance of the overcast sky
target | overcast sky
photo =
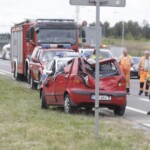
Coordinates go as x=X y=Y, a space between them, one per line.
x=14 y=11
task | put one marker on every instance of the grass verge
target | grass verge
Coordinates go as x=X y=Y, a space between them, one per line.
x=24 y=126
x=135 y=47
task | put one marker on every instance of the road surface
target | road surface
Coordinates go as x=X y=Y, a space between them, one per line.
x=137 y=106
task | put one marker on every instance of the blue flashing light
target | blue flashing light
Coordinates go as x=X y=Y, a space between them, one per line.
x=66 y=45
x=45 y=46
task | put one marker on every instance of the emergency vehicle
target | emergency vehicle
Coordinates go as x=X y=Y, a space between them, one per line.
x=29 y=34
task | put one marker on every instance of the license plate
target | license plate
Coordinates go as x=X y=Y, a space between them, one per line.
x=102 y=97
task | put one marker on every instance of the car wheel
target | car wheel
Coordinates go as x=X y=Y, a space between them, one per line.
x=119 y=111
x=44 y=105
x=33 y=85
x=68 y=108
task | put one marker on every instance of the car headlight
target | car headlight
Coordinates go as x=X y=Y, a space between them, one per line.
x=132 y=69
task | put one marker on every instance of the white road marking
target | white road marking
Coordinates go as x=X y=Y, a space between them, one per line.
x=6 y=72
x=136 y=110
x=144 y=99
x=146 y=124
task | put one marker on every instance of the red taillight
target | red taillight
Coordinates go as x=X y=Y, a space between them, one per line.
x=122 y=82
x=76 y=79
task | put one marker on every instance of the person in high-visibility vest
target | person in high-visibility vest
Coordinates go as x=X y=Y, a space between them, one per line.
x=126 y=62
x=94 y=55
x=144 y=66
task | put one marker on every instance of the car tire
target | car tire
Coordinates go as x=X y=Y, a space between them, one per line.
x=33 y=85
x=44 y=105
x=68 y=108
x=119 y=111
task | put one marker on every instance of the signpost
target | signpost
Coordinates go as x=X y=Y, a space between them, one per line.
x=98 y=3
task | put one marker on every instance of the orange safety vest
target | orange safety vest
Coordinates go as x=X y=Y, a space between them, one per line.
x=142 y=64
x=125 y=64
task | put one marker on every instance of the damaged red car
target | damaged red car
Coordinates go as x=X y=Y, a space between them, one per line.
x=74 y=87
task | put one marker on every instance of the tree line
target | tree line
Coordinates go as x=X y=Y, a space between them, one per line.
x=132 y=30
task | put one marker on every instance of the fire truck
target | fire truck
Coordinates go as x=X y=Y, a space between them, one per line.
x=29 y=34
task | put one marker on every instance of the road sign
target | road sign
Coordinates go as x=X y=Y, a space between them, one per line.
x=109 y=3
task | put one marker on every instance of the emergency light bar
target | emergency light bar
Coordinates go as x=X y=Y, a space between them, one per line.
x=46 y=46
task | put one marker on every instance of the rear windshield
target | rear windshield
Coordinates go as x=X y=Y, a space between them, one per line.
x=106 y=69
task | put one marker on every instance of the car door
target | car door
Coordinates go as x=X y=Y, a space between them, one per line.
x=61 y=83
x=49 y=84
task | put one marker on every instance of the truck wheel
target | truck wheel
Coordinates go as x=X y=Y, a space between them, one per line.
x=33 y=85
x=44 y=105
x=15 y=73
x=68 y=108
x=28 y=75
x=119 y=111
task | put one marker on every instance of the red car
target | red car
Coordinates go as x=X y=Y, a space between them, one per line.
x=40 y=57
x=75 y=87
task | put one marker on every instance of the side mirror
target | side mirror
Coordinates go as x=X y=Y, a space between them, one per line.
x=49 y=72
x=83 y=40
x=35 y=60
x=83 y=34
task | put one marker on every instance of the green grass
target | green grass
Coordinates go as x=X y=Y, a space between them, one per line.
x=24 y=126
x=135 y=47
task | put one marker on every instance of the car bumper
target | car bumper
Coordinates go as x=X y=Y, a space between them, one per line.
x=83 y=97
x=134 y=74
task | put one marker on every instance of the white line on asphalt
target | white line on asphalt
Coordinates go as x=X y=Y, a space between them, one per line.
x=137 y=110
x=6 y=72
x=144 y=99
x=146 y=124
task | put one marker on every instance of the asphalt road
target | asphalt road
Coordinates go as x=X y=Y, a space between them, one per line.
x=137 y=106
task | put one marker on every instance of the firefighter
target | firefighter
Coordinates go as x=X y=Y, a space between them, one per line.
x=126 y=63
x=144 y=66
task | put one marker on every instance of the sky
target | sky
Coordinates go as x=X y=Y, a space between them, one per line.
x=15 y=11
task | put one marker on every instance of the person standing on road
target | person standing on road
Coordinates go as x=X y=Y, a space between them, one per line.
x=126 y=62
x=144 y=66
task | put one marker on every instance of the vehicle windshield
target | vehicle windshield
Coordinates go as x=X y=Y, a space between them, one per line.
x=57 y=36
x=48 y=55
x=105 y=54
x=136 y=60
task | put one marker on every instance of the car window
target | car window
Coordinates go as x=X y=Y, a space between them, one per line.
x=106 y=69
x=105 y=54
x=61 y=64
x=50 y=66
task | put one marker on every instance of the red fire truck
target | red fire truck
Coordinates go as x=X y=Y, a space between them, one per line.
x=27 y=35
